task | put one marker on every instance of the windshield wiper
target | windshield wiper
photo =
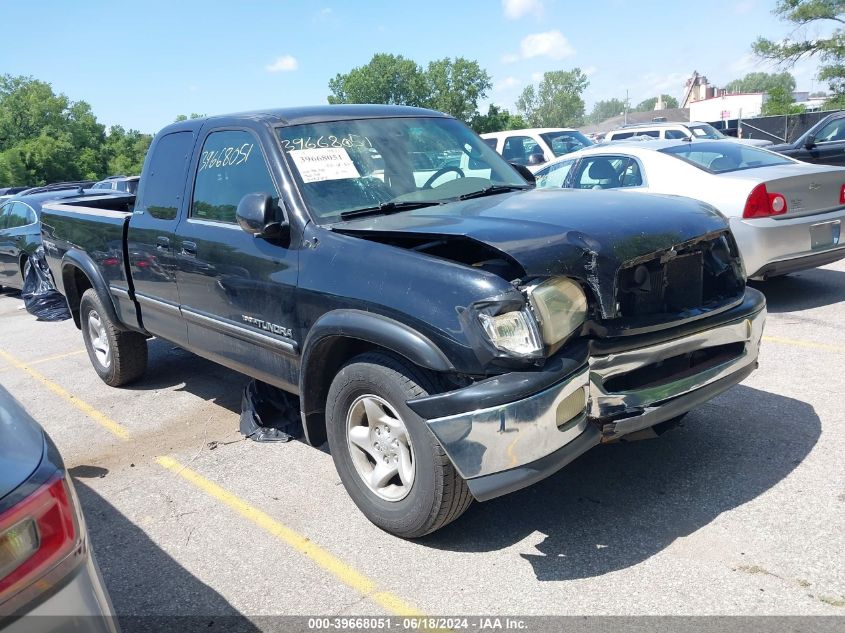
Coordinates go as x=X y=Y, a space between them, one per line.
x=492 y=190
x=388 y=207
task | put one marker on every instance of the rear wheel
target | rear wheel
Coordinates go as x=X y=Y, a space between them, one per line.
x=390 y=463
x=118 y=356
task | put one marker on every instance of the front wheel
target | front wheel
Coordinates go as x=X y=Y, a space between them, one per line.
x=118 y=356
x=390 y=463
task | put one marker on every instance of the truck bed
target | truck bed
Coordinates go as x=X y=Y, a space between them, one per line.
x=95 y=225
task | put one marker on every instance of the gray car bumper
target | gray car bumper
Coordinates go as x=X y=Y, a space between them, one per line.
x=82 y=604
x=502 y=448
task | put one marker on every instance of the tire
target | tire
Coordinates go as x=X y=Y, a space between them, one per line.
x=437 y=494
x=118 y=356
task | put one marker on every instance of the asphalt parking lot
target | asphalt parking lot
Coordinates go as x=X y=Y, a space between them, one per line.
x=741 y=510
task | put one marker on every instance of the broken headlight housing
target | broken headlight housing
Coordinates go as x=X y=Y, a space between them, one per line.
x=560 y=307
x=513 y=332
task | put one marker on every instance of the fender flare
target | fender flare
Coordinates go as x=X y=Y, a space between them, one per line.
x=363 y=326
x=76 y=258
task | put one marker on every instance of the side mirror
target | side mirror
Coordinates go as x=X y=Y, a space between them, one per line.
x=525 y=173
x=536 y=159
x=810 y=142
x=256 y=214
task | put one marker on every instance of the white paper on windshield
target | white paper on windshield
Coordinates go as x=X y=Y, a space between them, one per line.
x=324 y=163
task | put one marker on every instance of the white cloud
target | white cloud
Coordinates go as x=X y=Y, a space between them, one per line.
x=283 y=64
x=538 y=77
x=507 y=84
x=589 y=71
x=744 y=6
x=653 y=84
x=515 y=9
x=550 y=44
x=510 y=58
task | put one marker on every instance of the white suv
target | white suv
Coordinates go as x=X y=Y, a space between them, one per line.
x=694 y=130
x=535 y=146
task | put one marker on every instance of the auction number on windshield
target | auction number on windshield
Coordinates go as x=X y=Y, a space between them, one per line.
x=313 y=142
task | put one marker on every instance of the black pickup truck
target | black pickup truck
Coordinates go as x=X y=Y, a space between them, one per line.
x=451 y=331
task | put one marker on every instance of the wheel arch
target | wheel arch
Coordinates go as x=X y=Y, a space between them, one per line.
x=339 y=336
x=79 y=273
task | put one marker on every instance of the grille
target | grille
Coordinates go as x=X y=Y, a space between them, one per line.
x=695 y=277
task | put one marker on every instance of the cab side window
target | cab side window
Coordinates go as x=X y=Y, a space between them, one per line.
x=833 y=131
x=164 y=178
x=19 y=215
x=517 y=149
x=4 y=214
x=231 y=166
x=554 y=176
x=601 y=172
x=676 y=134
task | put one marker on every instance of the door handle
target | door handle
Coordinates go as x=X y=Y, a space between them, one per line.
x=189 y=249
x=162 y=243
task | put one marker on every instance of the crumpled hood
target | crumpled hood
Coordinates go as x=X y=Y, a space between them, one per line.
x=587 y=235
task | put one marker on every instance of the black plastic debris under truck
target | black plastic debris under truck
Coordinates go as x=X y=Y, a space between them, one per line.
x=453 y=332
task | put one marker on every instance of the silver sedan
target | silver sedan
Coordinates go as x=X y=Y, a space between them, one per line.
x=786 y=215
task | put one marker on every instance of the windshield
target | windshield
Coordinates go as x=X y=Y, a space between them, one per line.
x=346 y=166
x=704 y=130
x=565 y=142
x=723 y=156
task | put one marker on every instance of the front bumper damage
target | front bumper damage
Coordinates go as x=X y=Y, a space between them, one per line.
x=525 y=426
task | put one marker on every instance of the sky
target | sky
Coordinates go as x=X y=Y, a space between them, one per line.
x=141 y=64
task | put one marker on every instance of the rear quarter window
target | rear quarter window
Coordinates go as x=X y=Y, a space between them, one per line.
x=164 y=179
x=720 y=157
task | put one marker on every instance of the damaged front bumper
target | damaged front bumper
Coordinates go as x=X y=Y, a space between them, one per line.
x=510 y=431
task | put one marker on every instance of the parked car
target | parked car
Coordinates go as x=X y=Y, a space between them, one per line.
x=8 y=192
x=47 y=566
x=823 y=143
x=124 y=184
x=535 y=146
x=453 y=334
x=675 y=130
x=786 y=215
x=20 y=231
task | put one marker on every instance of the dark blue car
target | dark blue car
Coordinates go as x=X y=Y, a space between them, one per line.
x=20 y=229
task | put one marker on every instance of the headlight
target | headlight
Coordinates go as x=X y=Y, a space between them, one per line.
x=514 y=332
x=560 y=306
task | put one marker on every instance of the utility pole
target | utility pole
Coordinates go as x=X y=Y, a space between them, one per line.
x=626 y=107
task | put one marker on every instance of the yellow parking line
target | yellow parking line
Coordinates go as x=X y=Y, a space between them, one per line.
x=300 y=543
x=100 y=418
x=340 y=570
x=47 y=359
x=799 y=343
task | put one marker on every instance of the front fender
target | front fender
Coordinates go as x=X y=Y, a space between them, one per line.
x=339 y=335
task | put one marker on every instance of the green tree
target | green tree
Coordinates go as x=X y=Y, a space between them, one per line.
x=45 y=137
x=185 y=117
x=762 y=82
x=390 y=79
x=496 y=120
x=780 y=101
x=830 y=50
x=125 y=151
x=556 y=102
x=648 y=104
x=603 y=110
x=456 y=86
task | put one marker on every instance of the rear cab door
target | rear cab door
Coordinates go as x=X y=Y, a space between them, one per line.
x=237 y=290
x=150 y=243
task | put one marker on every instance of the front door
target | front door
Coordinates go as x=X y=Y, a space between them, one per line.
x=236 y=289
